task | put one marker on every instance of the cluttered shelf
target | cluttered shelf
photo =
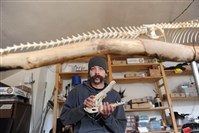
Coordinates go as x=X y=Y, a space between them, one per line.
x=161 y=131
x=173 y=73
x=145 y=109
x=185 y=98
x=132 y=67
x=179 y=69
x=182 y=97
x=148 y=79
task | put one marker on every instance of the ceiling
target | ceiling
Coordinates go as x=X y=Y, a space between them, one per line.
x=25 y=21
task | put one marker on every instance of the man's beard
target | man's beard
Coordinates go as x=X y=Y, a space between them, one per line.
x=97 y=79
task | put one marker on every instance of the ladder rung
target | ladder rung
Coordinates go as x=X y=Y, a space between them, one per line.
x=161 y=85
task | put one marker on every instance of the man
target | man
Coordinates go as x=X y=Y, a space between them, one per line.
x=109 y=119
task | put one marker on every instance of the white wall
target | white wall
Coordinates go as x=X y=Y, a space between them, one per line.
x=50 y=79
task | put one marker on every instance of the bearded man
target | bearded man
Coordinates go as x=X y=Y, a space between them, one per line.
x=109 y=119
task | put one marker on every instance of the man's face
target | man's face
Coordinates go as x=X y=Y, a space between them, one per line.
x=97 y=74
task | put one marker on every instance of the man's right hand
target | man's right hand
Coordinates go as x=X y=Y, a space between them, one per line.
x=89 y=102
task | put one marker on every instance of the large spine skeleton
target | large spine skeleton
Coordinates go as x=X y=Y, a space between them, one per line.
x=140 y=40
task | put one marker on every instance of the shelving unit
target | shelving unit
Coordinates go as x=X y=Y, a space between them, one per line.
x=159 y=81
x=170 y=73
x=60 y=76
x=181 y=98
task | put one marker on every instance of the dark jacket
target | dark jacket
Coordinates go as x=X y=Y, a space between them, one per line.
x=73 y=112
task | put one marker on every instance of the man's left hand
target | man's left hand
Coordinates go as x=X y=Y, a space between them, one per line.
x=106 y=110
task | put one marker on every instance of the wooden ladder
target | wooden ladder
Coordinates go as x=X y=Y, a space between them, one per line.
x=159 y=86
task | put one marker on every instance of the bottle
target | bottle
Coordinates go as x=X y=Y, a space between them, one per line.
x=157 y=101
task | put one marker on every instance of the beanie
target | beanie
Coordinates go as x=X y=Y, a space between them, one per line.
x=97 y=61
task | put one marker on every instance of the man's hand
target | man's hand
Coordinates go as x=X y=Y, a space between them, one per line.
x=106 y=110
x=89 y=102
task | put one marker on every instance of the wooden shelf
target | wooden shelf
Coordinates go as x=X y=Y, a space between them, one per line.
x=172 y=73
x=133 y=67
x=145 y=109
x=137 y=79
x=161 y=131
x=184 y=98
x=68 y=75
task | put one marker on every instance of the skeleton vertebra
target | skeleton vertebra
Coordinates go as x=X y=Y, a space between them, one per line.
x=99 y=97
x=111 y=41
x=118 y=32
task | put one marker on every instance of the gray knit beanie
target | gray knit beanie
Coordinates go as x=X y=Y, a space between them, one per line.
x=97 y=61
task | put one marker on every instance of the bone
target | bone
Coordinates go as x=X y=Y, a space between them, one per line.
x=118 y=104
x=105 y=91
x=147 y=47
x=113 y=33
x=197 y=36
x=99 y=97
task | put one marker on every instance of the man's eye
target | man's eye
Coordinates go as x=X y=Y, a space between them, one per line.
x=101 y=68
x=92 y=68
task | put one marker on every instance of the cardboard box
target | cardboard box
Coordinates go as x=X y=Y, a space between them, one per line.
x=139 y=100
x=14 y=91
x=135 y=105
x=141 y=105
x=177 y=94
x=154 y=72
x=116 y=62
x=25 y=88
x=135 y=74
x=144 y=105
x=154 y=60
x=127 y=106
x=135 y=60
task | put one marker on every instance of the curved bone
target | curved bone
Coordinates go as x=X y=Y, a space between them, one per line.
x=103 y=93
x=96 y=109
x=180 y=35
x=156 y=49
x=99 y=97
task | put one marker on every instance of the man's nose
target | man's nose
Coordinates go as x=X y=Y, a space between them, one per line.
x=97 y=70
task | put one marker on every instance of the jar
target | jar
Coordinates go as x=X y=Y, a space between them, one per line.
x=157 y=101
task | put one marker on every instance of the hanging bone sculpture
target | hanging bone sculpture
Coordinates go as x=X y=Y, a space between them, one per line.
x=99 y=97
x=123 y=40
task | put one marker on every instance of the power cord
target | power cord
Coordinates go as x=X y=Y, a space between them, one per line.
x=182 y=12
